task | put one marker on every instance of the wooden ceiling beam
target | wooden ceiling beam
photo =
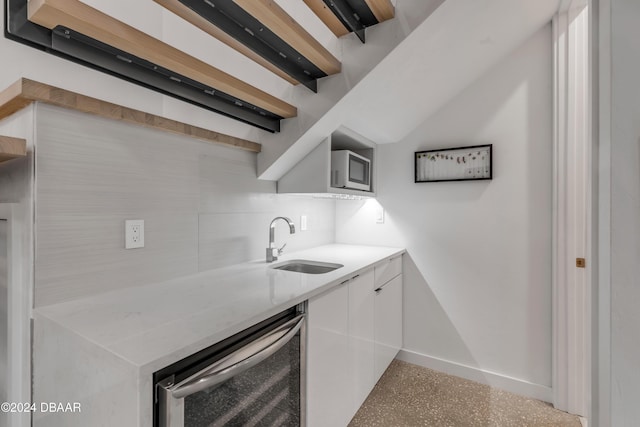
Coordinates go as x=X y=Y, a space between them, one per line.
x=25 y=91
x=92 y=23
x=270 y=14
x=382 y=9
x=327 y=16
x=275 y=19
x=195 y=19
x=12 y=99
x=12 y=148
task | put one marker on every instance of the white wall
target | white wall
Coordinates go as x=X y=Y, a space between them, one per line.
x=478 y=270
x=202 y=204
x=625 y=212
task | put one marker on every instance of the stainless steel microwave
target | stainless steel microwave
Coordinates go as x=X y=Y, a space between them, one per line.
x=350 y=170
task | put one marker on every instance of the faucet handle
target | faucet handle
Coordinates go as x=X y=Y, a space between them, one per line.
x=281 y=249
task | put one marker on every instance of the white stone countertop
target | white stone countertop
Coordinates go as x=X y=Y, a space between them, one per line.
x=155 y=325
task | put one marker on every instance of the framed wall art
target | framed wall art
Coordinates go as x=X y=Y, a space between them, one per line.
x=454 y=164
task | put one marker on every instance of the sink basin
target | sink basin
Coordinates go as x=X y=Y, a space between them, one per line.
x=307 y=267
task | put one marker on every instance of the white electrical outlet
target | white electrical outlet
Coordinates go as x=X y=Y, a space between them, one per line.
x=134 y=233
x=303 y=223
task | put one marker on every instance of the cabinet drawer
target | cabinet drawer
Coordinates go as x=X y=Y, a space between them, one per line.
x=387 y=270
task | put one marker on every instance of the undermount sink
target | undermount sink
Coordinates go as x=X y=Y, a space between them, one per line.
x=307 y=267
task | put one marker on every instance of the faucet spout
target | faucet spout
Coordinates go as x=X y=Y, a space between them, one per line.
x=272 y=253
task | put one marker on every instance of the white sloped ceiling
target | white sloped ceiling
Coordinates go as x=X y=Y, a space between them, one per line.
x=385 y=100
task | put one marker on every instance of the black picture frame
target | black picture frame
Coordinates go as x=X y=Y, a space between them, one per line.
x=470 y=163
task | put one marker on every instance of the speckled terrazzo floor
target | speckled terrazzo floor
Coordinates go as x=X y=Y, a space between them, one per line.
x=409 y=395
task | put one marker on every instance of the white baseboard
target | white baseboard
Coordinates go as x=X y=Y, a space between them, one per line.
x=513 y=385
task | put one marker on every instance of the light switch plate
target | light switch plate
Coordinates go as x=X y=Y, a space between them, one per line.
x=134 y=233
x=380 y=215
x=303 y=223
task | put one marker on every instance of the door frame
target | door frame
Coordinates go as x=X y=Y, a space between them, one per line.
x=18 y=312
x=573 y=201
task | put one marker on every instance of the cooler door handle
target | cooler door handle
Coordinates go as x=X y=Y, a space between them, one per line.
x=238 y=361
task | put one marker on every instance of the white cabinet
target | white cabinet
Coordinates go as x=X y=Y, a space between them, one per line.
x=388 y=324
x=387 y=270
x=361 y=337
x=327 y=359
x=312 y=174
x=354 y=332
x=340 y=351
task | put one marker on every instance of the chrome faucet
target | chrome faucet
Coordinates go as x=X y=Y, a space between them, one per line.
x=272 y=252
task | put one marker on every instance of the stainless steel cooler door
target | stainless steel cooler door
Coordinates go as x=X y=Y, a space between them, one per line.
x=257 y=385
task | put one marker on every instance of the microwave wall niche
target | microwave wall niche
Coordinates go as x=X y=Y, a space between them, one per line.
x=350 y=170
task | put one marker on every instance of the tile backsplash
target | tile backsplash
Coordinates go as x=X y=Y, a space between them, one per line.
x=202 y=205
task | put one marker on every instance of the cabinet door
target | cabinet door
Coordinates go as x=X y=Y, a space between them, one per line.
x=329 y=402
x=361 y=337
x=388 y=324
